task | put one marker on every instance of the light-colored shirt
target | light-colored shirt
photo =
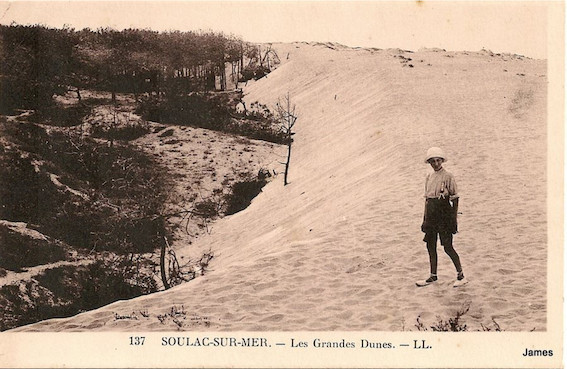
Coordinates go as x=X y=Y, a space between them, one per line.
x=440 y=184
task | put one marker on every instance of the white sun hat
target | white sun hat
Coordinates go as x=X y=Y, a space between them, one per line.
x=435 y=152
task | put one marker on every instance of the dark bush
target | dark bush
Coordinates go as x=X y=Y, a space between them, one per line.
x=29 y=137
x=19 y=250
x=242 y=194
x=212 y=111
x=123 y=133
x=19 y=93
x=199 y=110
x=100 y=283
x=62 y=116
x=18 y=201
x=125 y=190
x=127 y=235
x=453 y=324
x=78 y=223
x=258 y=130
x=68 y=290
x=254 y=72
x=41 y=203
x=167 y=133
x=207 y=208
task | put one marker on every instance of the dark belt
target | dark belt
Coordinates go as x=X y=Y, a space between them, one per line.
x=437 y=198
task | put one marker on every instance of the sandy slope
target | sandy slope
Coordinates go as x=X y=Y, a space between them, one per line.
x=340 y=247
x=201 y=161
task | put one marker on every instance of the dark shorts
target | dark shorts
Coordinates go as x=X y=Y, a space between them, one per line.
x=446 y=238
x=439 y=219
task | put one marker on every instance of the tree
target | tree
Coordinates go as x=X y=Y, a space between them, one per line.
x=286 y=117
x=269 y=55
x=35 y=63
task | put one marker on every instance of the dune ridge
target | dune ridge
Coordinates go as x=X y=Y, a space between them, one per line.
x=340 y=247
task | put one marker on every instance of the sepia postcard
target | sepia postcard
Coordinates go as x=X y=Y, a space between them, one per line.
x=298 y=184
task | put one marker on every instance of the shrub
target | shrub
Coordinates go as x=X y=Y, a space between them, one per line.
x=18 y=92
x=62 y=116
x=259 y=112
x=208 y=208
x=126 y=188
x=453 y=324
x=20 y=250
x=242 y=194
x=68 y=290
x=19 y=201
x=123 y=133
x=199 y=110
x=213 y=111
x=254 y=72
x=167 y=133
x=108 y=280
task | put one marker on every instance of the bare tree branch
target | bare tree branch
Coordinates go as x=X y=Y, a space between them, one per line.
x=286 y=116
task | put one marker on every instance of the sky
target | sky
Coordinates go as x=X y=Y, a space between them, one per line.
x=517 y=27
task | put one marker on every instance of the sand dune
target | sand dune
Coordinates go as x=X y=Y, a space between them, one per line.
x=340 y=247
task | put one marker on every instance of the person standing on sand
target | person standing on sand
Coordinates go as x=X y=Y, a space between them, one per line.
x=440 y=215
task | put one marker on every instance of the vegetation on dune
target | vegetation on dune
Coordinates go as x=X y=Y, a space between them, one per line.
x=22 y=250
x=242 y=194
x=126 y=132
x=172 y=75
x=67 y=290
x=38 y=62
x=123 y=189
x=63 y=116
x=216 y=112
x=455 y=323
x=107 y=201
x=84 y=188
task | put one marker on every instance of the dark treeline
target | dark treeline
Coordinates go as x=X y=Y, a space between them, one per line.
x=37 y=62
x=98 y=201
